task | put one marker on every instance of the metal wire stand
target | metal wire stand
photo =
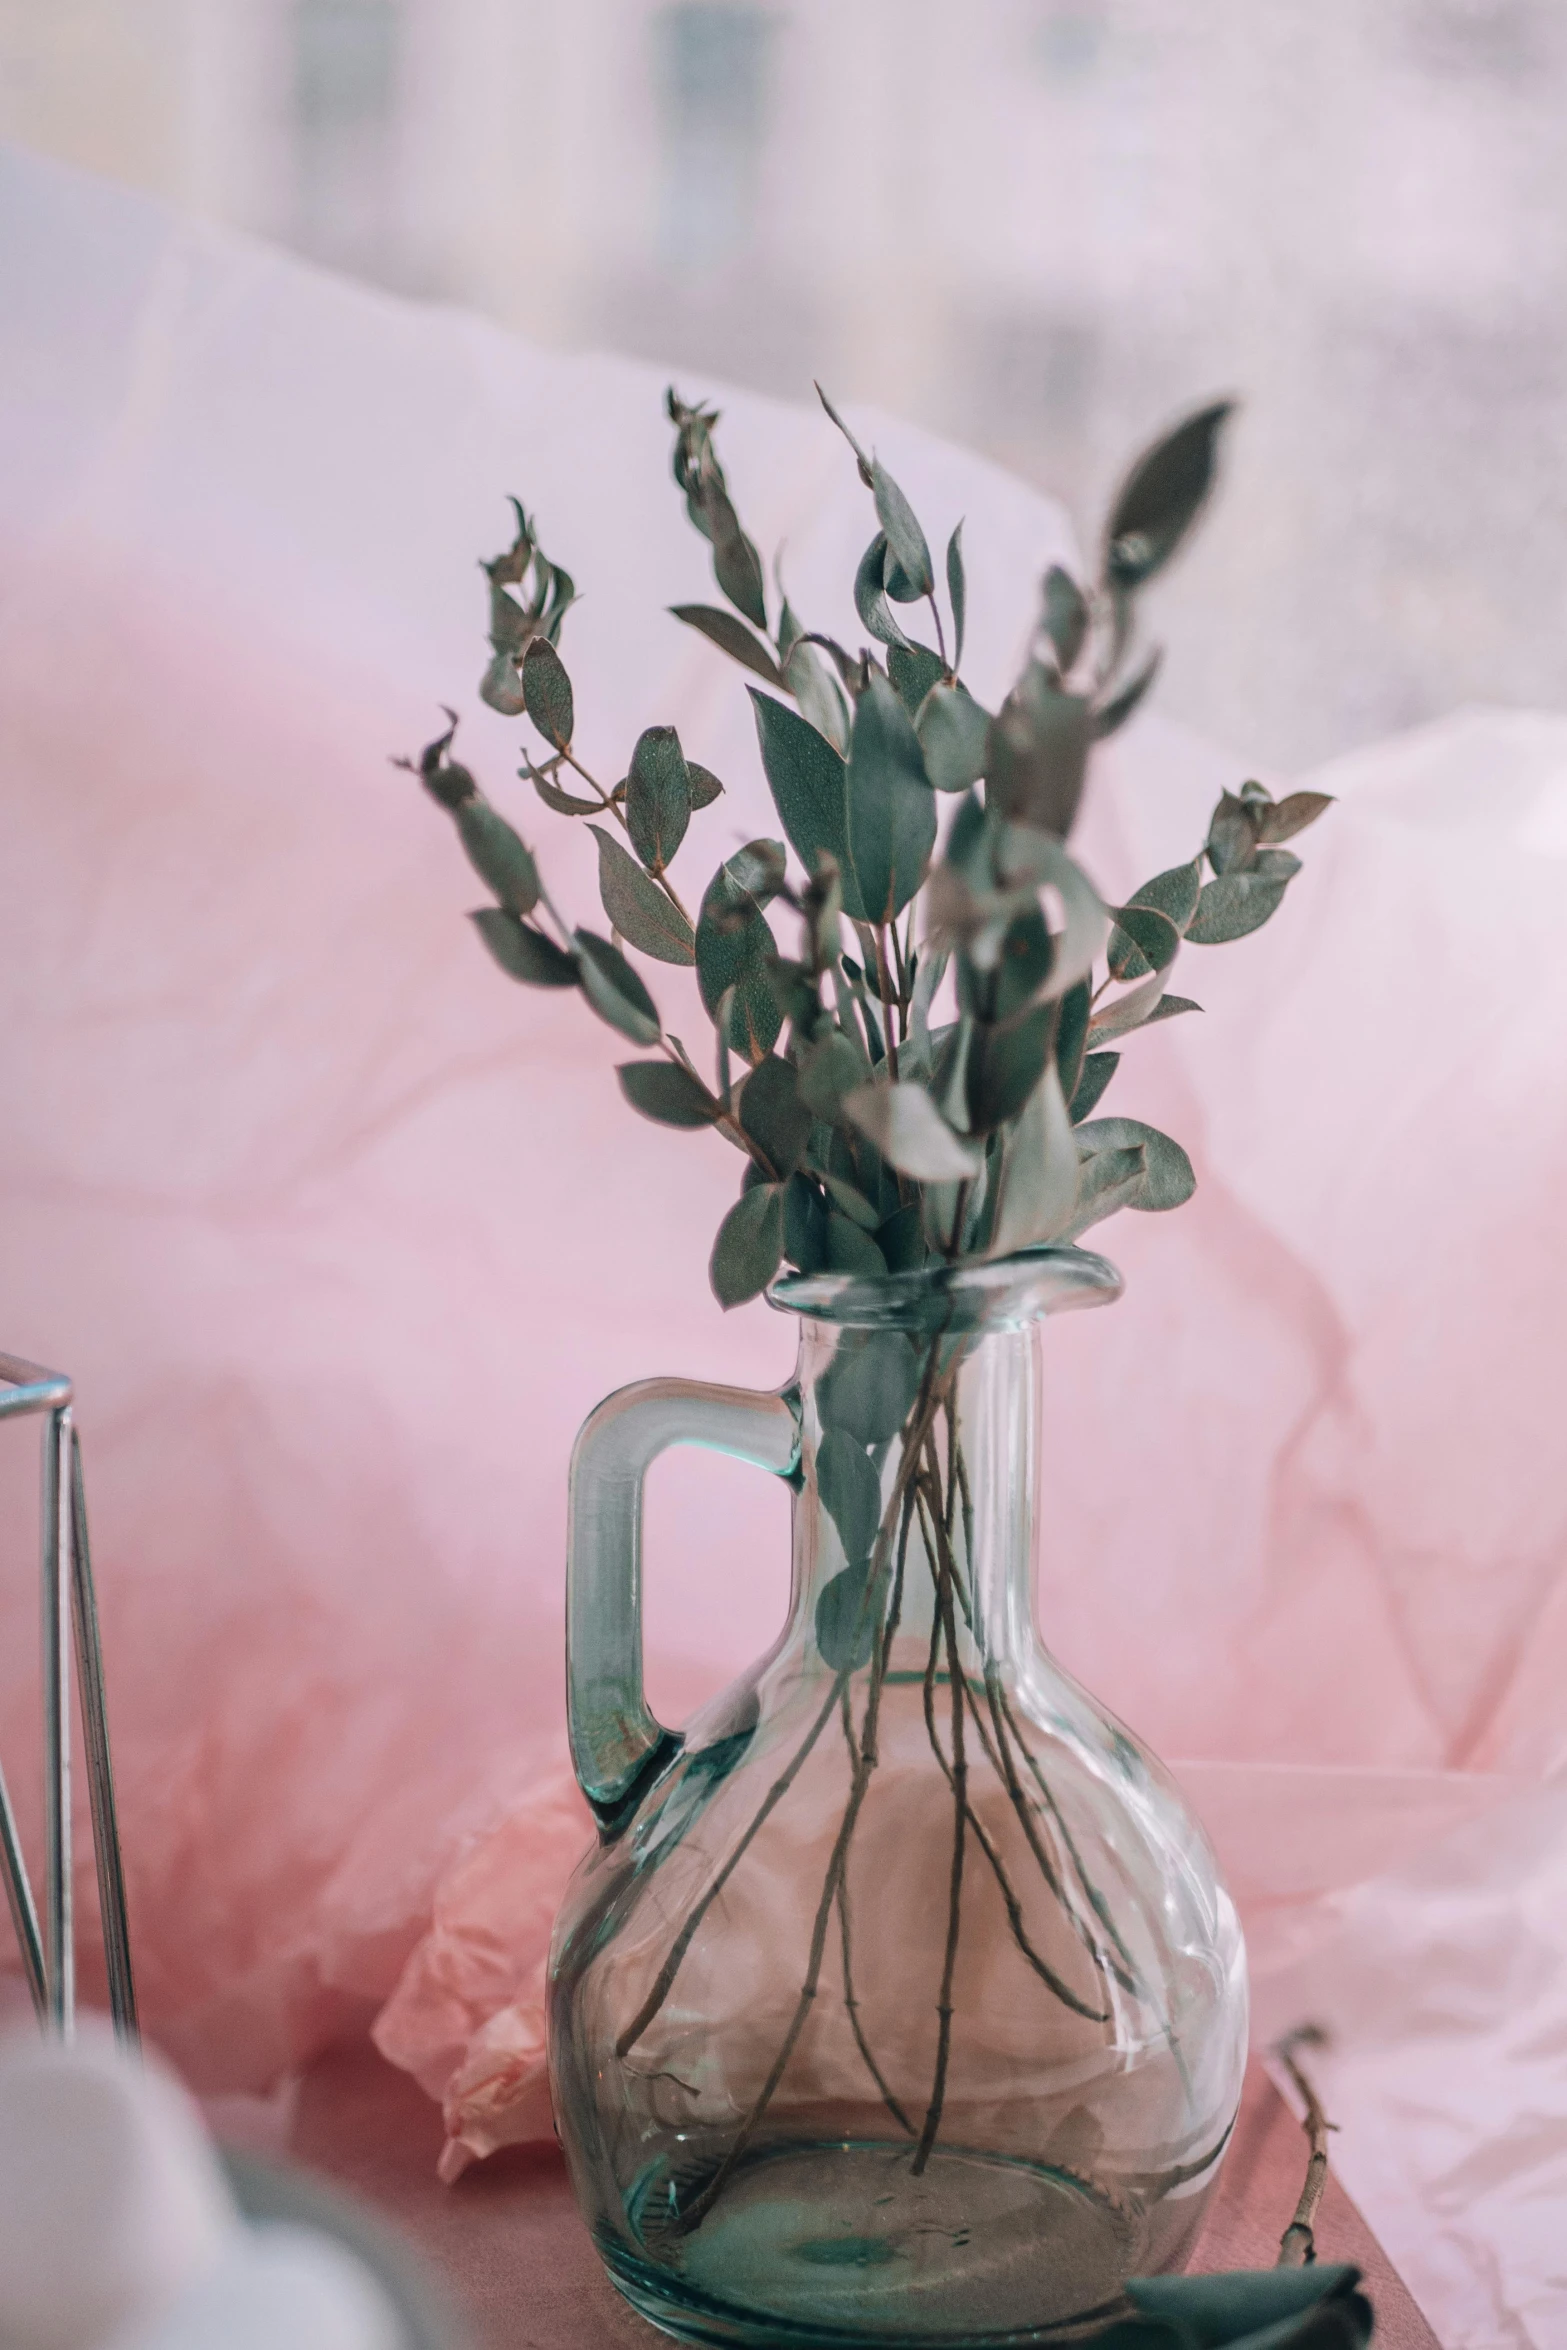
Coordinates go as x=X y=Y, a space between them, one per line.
x=70 y=1627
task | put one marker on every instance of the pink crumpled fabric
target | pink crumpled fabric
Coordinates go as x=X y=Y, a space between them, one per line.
x=342 y=1237
x=467 y=2016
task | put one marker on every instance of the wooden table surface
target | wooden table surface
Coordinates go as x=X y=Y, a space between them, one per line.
x=519 y=2262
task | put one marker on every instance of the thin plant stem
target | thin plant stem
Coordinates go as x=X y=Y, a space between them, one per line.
x=959 y=1777
x=898 y=1512
x=849 y=2000
x=1095 y=1898
x=889 y=996
x=1014 y=1908
x=1024 y=1810
x=774 y=1796
x=865 y=1763
x=957 y=1482
x=780 y=1787
x=1298 y=2244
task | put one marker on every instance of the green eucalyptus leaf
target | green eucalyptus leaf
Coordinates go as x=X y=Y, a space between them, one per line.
x=1232 y=835
x=834 y=1066
x=1168 y=1180
x=562 y=595
x=796 y=993
x=1232 y=905
x=849 y=1250
x=860 y=457
x=1066 y=616
x=658 y=797
x=755 y=873
x=737 y=566
x=547 y=693
x=911 y=1133
x=1162 y=497
x=447 y=782
x=501 y=685
x=523 y=952
x=902 y=1241
x=1097 y=1071
x=705 y=786
x=805 y=1225
x=564 y=803
x=749 y=1248
x=731 y=636
x=1170 y=1007
x=1037 y=753
x=773 y=1115
x=734 y=946
x=498 y=855
x=1275 y=865
x=1024 y=964
x=1173 y=893
x=1039 y=1173
x=931 y=969
x=954 y=733
x=1072 y=1035
x=870 y=594
x=1108 y=1181
x=1132 y=1010
x=613 y=988
x=1282 y=819
x=638 y=908
x=905 y=539
x=850 y=671
x=938 y=1211
x=1025 y=854
x=848 y=1618
x=1141 y=939
x=957 y=593
x=508 y=569
x=1256 y=2307
x=510 y=626
x=869 y=1385
x=667 y=1093
x=913 y=669
x=1112 y=715
x=851 y=1203
x=891 y=807
x=810 y=787
x=818 y=694
x=1004 y=1066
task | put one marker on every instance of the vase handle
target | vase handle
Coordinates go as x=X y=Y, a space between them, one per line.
x=617 y=1746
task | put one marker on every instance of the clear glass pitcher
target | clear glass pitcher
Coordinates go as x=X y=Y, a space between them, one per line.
x=900 y=2002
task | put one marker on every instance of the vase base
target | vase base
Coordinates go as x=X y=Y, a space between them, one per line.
x=838 y=2243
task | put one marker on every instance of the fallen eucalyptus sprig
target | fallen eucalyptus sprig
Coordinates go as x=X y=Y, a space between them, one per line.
x=878 y=1135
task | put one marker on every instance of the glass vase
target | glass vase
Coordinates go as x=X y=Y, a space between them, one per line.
x=900 y=2002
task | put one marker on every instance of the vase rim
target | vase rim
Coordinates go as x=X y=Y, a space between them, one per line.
x=973 y=1294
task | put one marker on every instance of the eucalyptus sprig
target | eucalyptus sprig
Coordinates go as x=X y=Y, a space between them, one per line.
x=920 y=1078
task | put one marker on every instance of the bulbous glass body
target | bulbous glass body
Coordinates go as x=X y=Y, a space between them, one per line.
x=901 y=2003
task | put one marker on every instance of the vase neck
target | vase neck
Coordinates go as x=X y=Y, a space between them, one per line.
x=915 y=1449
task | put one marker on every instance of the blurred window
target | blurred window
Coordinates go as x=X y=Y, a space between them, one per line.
x=1501 y=39
x=713 y=74
x=346 y=58
x=1068 y=38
